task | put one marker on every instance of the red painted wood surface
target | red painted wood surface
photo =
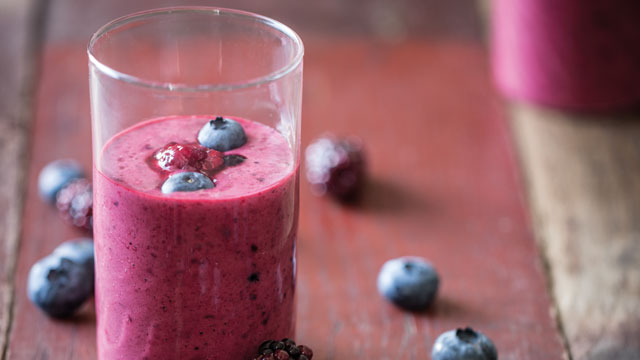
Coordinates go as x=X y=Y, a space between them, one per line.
x=443 y=184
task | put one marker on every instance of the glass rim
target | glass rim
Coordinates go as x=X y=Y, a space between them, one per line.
x=171 y=86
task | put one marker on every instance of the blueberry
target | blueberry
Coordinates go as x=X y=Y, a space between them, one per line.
x=55 y=176
x=222 y=134
x=61 y=282
x=186 y=181
x=78 y=250
x=409 y=282
x=463 y=344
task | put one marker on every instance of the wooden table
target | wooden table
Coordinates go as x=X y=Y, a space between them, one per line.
x=411 y=78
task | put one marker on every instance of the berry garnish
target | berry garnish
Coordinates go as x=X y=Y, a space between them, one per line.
x=186 y=181
x=409 y=282
x=463 y=344
x=75 y=203
x=62 y=281
x=176 y=156
x=335 y=166
x=222 y=134
x=55 y=176
x=283 y=350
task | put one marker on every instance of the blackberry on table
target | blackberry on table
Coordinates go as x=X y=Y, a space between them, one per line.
x=283 y=350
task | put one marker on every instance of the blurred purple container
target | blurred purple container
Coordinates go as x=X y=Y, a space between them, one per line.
x=572 y=54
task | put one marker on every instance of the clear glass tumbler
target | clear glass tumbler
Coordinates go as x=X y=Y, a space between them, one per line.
x=195 y=245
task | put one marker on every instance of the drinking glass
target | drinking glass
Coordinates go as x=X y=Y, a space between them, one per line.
x=205 y=274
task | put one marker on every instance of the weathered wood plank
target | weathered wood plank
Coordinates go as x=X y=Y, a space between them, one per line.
x=584 y=188
x=18 y=44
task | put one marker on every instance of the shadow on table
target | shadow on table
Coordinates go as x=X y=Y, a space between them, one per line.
x=384 y=196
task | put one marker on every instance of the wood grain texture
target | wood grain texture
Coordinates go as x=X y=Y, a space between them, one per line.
x=17 y=47
x=443 y=184
x=584 y=186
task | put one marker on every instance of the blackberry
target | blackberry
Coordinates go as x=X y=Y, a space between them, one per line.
x=283 y=350
x=335 y=166
x=75 y=203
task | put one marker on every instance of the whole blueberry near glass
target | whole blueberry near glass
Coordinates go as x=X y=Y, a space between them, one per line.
x=463 y=344
x=55 y=176
x=62 y=281
x=409 y=282
x=79 y=250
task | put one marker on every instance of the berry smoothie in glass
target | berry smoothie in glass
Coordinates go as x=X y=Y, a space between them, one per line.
x=196 y=127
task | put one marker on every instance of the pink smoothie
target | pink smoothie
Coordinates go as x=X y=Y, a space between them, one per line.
x=207 y=274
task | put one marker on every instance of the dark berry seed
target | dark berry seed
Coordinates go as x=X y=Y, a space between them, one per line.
x=288 y=341
x=277 y=345
x=255 y=277
x=265 y=345
x=305 y=351
x=293 y=351
x=281 y=355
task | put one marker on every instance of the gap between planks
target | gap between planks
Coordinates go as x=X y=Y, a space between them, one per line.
x=583 y=174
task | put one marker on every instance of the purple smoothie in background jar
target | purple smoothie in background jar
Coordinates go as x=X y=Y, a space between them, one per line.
x=572 y=54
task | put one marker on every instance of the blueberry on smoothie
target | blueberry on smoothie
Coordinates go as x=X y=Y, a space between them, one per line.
x=55 y=176
x=62 y=281
x=222 y=134
x=408 y=282
x=186 y=181
x=463 y=344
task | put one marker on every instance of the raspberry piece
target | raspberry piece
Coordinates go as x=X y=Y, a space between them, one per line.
x=176 y=156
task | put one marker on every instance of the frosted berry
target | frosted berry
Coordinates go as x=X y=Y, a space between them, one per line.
x=335 y=166
x=75 y=203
